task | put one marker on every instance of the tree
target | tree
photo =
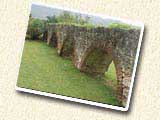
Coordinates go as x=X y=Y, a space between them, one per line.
x=67 y=17
x=36 y=28
x=52 y=19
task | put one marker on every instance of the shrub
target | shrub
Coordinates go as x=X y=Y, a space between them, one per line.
x=52 y=19
x=122 y=26
x=66 y=17
x=36 y=28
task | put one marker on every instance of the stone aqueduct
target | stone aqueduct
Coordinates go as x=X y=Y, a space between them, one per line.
x=109 y=44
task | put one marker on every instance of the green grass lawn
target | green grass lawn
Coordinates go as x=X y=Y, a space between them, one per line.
x=42 y=69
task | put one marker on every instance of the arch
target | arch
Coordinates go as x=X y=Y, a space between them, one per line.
x=52 y=38
x=95 y=61
x=115 y=45
x=67 y=48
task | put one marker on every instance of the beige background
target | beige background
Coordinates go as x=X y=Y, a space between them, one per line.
x=17 y=106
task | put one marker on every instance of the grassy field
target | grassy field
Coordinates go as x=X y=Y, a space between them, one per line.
x=42 y=69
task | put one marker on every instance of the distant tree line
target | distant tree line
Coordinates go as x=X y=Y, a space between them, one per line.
x=37 y=28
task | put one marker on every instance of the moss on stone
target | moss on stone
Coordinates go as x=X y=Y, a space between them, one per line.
x=87 y=25
x=122 y=26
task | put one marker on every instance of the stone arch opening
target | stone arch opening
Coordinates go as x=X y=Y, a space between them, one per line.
x=96 y=61
x=67 y=48
x=52 y=39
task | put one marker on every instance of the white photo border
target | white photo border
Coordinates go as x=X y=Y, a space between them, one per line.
x=140 y=24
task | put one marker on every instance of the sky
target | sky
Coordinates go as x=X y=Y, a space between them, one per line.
x=41 y=12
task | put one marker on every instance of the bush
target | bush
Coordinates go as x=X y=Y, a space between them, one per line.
x=36 y=28
x=122 y=26
x=52 y=19
x=66 y=17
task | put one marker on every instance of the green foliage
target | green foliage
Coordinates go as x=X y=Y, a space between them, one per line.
x=68 y=18
x=110 y=75
x=65 y=17
x=42 y=69
x=36 y=28
x=52 y=19
x=121 y=26
x=86 y=25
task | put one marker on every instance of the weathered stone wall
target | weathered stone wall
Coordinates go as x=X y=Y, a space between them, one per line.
x=93 y=49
